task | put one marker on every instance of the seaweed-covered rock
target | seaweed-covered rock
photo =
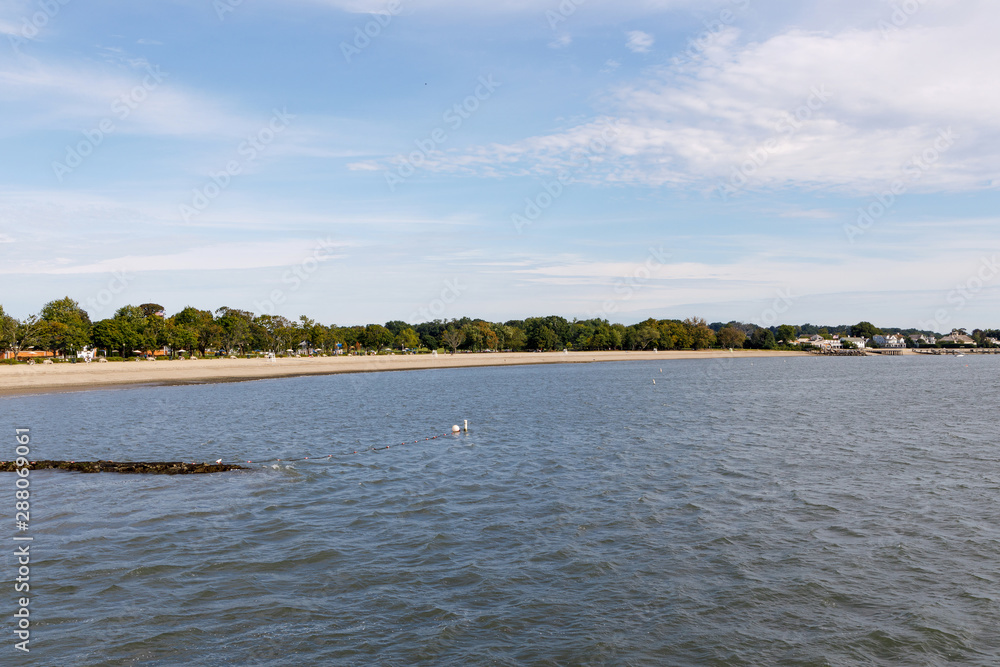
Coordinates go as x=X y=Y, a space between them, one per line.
x=128 y=467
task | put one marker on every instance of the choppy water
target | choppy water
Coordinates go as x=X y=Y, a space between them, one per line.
x=777 y=511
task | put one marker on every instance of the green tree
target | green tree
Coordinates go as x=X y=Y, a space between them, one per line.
x=865 y=330
x=542 y=337
x=731 y=337
x=273 y=333
x=473 y=336
x=181 y=337
x=786 y=334
x=18 y=335
x=7 y=326
x=66 y=324
x=514 y=337
x=396 y=326
x=674 y=335
x=763 y=339
x=235 y=328
x=116 y=335
x=701 y=334
x=150 y=309
x=453 y=338
x=407 y=339
x=135 y=330
x=376 y=337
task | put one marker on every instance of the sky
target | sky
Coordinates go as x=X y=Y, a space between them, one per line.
x=358 y=161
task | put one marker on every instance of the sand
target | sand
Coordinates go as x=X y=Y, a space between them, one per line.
x=43 y=378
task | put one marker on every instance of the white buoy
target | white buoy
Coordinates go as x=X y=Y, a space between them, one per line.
x=466 y=425
x=455 y=429
x=654 y=381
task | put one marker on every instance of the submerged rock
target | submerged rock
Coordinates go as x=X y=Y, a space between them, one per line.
x=134 y=467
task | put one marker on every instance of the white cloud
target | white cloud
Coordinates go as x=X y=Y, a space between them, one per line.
x=223 y=256
x=848 y=111
x=538 y=7
x=365 y=165
x=639 y=41
x=561 y=42
x=800 y=270
x=78 y=97
x=610 y=66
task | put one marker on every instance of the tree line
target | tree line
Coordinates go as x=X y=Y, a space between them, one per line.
x=63 y=327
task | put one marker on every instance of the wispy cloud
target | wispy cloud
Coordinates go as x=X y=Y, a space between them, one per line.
x=507 y=7
x=639 y=41
x=845 y=111
x=223 y=256
x=561 y=42
x=62 y=96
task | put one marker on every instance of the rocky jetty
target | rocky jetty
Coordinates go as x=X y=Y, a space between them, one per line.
x=129 y=467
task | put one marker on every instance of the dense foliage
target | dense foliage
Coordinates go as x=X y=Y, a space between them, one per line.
x=64 y=328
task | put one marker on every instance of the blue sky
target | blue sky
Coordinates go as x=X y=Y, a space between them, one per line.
x=734 y=159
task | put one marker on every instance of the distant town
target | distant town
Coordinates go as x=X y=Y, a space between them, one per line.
x=63 y=331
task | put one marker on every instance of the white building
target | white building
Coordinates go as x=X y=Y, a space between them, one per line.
x=921 y=339
x=957 y=339
x=825 y=343
x=892 y=341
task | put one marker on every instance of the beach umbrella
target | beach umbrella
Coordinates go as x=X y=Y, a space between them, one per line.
x=182 y=350
x=136 y=351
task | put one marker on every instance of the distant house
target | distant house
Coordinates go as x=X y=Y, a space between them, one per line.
x=922 y=339
x=825 y=343
x=956 y=339
x=857 y=341
x=892 y=341
x=993 y=341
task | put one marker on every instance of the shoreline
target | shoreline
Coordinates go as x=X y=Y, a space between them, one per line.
x=55 y=378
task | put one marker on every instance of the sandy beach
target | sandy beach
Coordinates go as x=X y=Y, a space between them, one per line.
x=42 y=378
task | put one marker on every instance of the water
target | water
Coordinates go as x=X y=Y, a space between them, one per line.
x=802 y=511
